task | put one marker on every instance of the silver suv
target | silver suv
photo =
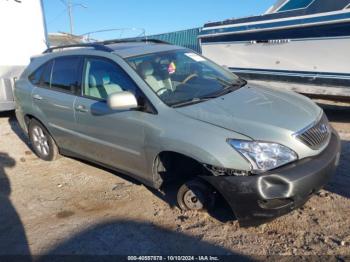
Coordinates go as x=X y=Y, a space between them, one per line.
x=166 y=115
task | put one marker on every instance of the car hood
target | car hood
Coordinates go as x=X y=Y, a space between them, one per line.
x=257 y=112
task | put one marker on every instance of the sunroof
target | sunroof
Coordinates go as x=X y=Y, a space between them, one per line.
x=295 y=4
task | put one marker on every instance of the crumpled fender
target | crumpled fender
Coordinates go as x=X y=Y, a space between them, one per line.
x=261 y=198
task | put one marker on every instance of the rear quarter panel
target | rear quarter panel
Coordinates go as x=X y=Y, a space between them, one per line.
x=24 y=105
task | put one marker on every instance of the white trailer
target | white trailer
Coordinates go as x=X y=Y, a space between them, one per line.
x=22 y=35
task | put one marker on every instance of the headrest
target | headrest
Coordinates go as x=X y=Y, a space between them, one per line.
x=99 y=78
x=92 y=81
x=146 y=69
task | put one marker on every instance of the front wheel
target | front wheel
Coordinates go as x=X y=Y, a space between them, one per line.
x=195 y=195
x=42 y=143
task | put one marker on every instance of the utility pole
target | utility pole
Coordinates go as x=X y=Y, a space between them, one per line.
x=70 y=14
x=69 y=7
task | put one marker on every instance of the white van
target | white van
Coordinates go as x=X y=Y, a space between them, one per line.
x=22 y=35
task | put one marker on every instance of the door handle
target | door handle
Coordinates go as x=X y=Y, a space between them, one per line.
x=37 y=97
x=82 y=109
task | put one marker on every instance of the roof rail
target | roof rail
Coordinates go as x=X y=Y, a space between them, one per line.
x=101 y=46
x=96 y=46
x=126 y=40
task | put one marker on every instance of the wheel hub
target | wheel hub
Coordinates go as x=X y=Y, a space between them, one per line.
x=193 y=200
x=40 y=141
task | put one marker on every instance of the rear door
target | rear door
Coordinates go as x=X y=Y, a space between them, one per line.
x=114 y=138
x=54 y=96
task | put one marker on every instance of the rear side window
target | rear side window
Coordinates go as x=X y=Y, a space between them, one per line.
x=66 y=73
x=42 y=76
x=46 y=77
x=35 y=78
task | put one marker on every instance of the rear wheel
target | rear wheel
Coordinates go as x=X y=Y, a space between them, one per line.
x=42 y=143
x=195 y=195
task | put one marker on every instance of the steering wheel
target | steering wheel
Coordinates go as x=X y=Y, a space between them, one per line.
x=162 y=91
x=189 y=78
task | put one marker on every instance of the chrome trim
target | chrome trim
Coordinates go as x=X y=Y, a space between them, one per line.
x=315 y=135
x=300 y=132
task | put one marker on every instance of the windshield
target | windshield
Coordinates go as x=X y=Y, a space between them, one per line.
x=182 y=77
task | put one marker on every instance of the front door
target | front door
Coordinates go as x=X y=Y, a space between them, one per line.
x=111 y=137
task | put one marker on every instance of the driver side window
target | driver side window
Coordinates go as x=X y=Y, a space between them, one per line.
x=103 y=77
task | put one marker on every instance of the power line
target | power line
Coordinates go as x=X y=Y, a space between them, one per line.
x=56 y=17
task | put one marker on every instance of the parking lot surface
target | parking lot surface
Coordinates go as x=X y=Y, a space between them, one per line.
x=73 y=207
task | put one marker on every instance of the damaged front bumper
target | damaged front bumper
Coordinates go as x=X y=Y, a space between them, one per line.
x=258 y=199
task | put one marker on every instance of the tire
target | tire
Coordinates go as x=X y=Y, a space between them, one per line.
x=195 y=195
x=41 y=141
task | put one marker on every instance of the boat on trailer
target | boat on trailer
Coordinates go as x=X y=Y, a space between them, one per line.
x=23 y=35
x=303 y=42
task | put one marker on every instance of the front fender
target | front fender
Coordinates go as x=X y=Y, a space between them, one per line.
x=205 y=143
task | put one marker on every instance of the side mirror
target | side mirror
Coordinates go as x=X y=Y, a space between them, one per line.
x=122 y=101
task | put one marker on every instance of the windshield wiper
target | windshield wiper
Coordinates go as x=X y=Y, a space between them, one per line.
x=193 y=101
x=240 y=83
x=229 y=87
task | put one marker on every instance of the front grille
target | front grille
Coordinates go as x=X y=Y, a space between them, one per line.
x=316 y=135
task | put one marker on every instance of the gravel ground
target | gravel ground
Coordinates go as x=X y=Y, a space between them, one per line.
x=72 y=207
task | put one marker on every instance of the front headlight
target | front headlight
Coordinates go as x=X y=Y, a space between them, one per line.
x=264 y=156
